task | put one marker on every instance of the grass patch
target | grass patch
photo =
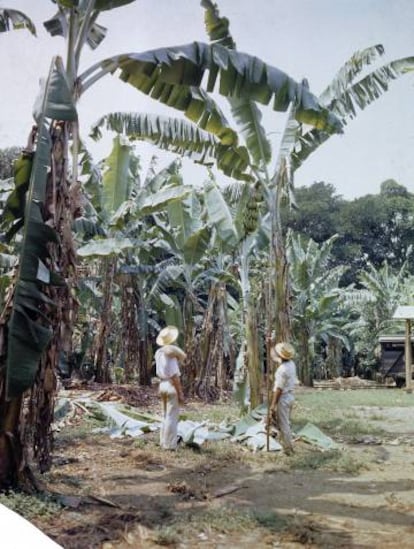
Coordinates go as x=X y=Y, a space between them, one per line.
x=332 y=411
x=333 y=460
x=220 y=520
x=326 y=400
x=269 y=520
x=30 y=506
x=350 y=427
x=80 y=431
x=215 y=413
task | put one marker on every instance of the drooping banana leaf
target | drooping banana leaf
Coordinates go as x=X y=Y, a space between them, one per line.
x=245 y=112
x=29 y=330
x=349 y=71
x=178 y=136
x=344 y=97
x=170 y=74
x=16 y=20
x=58 y=26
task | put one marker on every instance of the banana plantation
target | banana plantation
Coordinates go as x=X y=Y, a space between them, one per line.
x=97 y=257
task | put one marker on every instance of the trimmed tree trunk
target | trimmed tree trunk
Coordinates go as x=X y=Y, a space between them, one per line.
x=334 y=357
x=216 y=344
x=144 y=347
x=306 y=357
x=103 y=374
x=25 y=422
x=279 y=262
x=129 y=329
x=250 y=331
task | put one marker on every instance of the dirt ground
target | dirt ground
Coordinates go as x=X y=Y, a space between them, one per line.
x=125 y=493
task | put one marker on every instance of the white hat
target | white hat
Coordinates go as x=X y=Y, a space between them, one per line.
x=167 y=335
x=282 y=350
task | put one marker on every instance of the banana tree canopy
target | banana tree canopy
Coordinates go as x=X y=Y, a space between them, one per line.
x=170 y=75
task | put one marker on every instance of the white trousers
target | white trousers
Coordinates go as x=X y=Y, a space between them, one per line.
x=170 y=413
x=284 y=410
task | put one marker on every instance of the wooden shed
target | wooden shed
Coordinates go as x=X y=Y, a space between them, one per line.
x=406 y=313
x=392 y=357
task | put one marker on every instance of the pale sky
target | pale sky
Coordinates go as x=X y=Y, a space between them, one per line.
x=304 y=38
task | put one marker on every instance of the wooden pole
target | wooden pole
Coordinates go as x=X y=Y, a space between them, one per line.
x=408 y=357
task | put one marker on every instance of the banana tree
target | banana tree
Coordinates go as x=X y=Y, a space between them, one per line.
x=381 y=291
x=125 y=209
x=318 y=314
x=40 y=302
x=236 y=232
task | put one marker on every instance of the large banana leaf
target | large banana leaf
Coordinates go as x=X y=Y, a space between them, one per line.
x=344 y=96
x=117 y=180
x=349 y=71
x=12 y=217
x=185 y=218
x=166 y=198
x=248 y=117
x=16 y=20
x=29 y=330
x=219 y=215
x=178 y=136
x=169 y=75
x=283 y=174
x=196 y=246
x=106 y=247
x=245 y=112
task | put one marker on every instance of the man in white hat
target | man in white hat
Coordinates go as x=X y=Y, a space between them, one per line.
x=283 y=391
x=167 y=360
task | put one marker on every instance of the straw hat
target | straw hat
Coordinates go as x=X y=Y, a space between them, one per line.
x=167 y=335
x=283 y=350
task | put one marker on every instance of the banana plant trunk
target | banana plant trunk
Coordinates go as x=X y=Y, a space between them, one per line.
x=306 y=355
x=334 y=357
x=216 y=345
x=103 y=374
x=129 y=328
x=191 y=363
x=250 y=331
x=144 y=347
x=279 y=262
x=25 y=420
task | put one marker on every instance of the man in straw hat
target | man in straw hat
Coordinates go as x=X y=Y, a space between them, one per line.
x=283 y=388
x=167 y=360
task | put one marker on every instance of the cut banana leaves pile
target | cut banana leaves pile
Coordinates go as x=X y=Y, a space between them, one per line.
x=119 y=420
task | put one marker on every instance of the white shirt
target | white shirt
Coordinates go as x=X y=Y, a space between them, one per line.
x=166 y=364
x=285 y=378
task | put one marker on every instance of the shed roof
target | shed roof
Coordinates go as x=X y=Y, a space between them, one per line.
x=404 y=312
